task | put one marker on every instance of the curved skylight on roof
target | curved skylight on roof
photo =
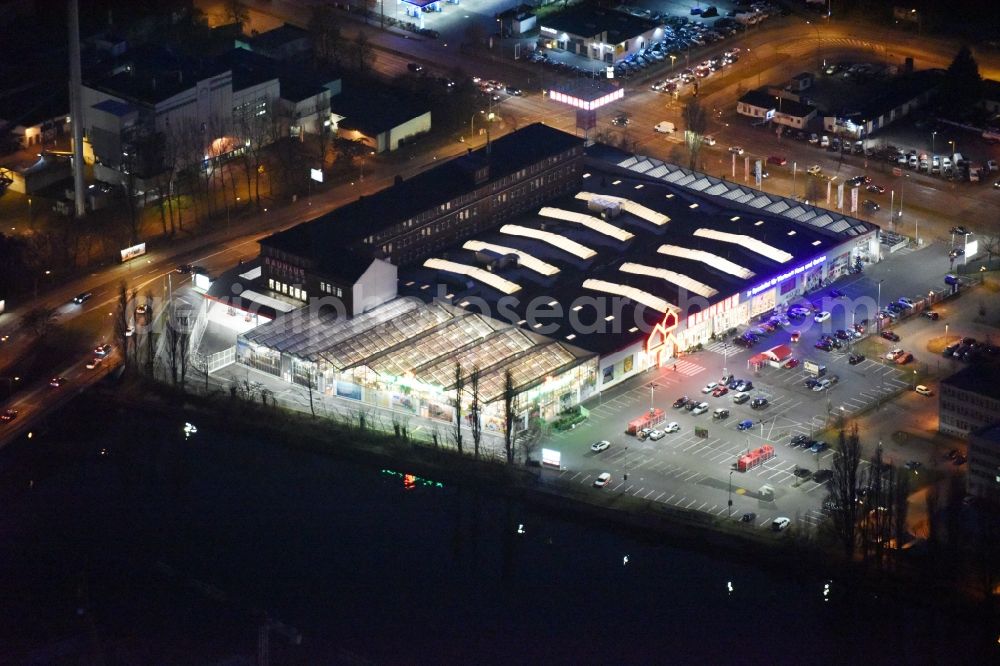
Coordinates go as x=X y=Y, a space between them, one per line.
x=474 y=272
x=679 y=279
x=589 y=221
x=707 y=258
x=750 y=243
x=523 y=258
x=633 y=294
x=555 y=240
x=629 y=206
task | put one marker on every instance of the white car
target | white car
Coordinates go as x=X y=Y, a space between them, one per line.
x=820 y=317
x=700 y=409
x=604 y=479
x=656 y=434
x=602 y=445
x=814 y=170
x=823 y=385
x=671 y=427
x=891 y=356
x=708 y=140
x=711 y=386
x=780 y=523
x=924 y=390
x=736 y=150
x=664 y=127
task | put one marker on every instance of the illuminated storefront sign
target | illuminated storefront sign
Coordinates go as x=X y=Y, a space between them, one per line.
x=588 y=105
x=784 y=276
x=719 y=308
x=660 y=345
x=550 y=31
x=551 y=457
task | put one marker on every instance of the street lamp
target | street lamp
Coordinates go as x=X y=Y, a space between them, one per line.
x=625 y=473
x=651 y=387
x=933 y=135
x=729 y=515
x=878 y=307
x=952 y=144
x=673 y=58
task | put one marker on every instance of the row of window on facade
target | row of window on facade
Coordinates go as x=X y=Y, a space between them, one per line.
x=331 y=289
x=287 y=289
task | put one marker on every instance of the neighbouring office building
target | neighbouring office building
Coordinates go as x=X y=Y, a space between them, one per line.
x=984 y=463
x=899 y=97
x=596 y=267
x=970 y=400
x=762 y=106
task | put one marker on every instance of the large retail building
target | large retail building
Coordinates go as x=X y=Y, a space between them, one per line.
x=581 y=270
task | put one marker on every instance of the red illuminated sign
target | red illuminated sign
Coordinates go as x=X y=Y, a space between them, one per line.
x=661 y=345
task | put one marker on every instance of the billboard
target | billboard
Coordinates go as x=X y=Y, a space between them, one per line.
x=551 y=457
x=316 y=174
x=133 y=252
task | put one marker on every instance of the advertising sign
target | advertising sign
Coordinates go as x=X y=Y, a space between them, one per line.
x=551 y=457
x=746 y=169
x=316 y=174
x=610 y=71
x=829 y=190
x=854 y=200
x=757 y=172
x=133 y=252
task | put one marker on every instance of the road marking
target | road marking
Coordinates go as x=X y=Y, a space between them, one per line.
x=620 y=484
x=636 y=493
x=659 y=496
x=703 y=505
x=691 y=504
x=650 y=493
x=666 y=501
x=630 y=488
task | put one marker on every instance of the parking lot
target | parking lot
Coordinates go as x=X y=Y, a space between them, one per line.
x=692 y=472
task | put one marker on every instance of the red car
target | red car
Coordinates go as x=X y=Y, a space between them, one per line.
x=8 y=415
x=795 y=336
x=777 y=160
x=720 y=391
x=792 y=363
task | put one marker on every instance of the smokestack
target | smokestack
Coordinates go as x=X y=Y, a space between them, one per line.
x=75 y=82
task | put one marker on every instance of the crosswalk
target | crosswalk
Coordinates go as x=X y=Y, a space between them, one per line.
x=723 y=347
x=687 y=368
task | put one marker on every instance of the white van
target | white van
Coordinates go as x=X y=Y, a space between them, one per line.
x=665 y=127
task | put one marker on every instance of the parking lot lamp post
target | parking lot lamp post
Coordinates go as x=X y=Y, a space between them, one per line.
x=625 y=473
x=933 y=136
x=729 y=515
x=952 y=144
x=651 y=387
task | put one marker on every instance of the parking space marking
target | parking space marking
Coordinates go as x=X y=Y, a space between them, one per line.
x=691 y=504
x=630 y=488
x=667 y=501
x=703 y=505
x=573 y=478
x=680 y=501
x=659 y=496
x=636 y=493
x=650 y=493
x=620 y=484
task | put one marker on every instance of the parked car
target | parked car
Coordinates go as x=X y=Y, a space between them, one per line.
x=904 y=358
x=818 y=447
x=777 y=160
x=923 y=390
x=602 y=445
x=893 y=354
x=602 y=480
x=930 y=314
x=711 y=386
x=741 y=397
x=820 y=317
x=822 y=475
x=854 y=359
x=680 y=402
x=671 y=427
x=720 y=413
x=890 y=335
x=748 y=517
x=758 y=403
x=744 y=385
x=701 y=408
x=745 y=424
x=792 y=363
x=656 y=434
x=822 y=385
x=664 y=127
x=8 y=415
x=780 y=523
x=414 y=67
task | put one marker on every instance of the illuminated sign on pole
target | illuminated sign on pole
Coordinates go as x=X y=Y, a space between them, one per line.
x=757 y=172
x=854 y=200
x=784 y=276
x=133 y=252
x=316 y=174
x=551 y=457
x=840 y=196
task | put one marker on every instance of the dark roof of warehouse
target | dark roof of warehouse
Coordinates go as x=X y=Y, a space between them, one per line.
x=351 y=223
x=896 y=92
x=689 y=212
x=587 y=20
x=157 y=73
x=978 y=377
x=372 y=108
x=286 y=33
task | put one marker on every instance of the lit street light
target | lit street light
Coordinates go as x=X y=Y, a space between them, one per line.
x=933 y=135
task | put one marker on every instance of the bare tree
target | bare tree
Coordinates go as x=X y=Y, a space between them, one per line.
x=474 y=410
x=844 y=489
x=696 y=123
x=459 y=387
x=183 y=344
x=990 y=243
x=255 y=131
x=509 y=414
x=237 y=12
x=310 y=386
x=362 y=52
x=122 y=316
x=150 y=336
x=328 y=42
x=173 y=345
x=39 y=320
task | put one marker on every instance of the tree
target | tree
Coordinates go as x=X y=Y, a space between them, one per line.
x=990 y=242
x=509 y=414
x=328 y=42
x=696 y=123
x=237 y=12
x=148 y=328
x=362 y=52
x=475 y=35
x=310 y=385
x=255 y=131
x=843 y=492
x=459 y=387
x=122 y=317
x=474 y=410
x=39 y=320
x=962 y=87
